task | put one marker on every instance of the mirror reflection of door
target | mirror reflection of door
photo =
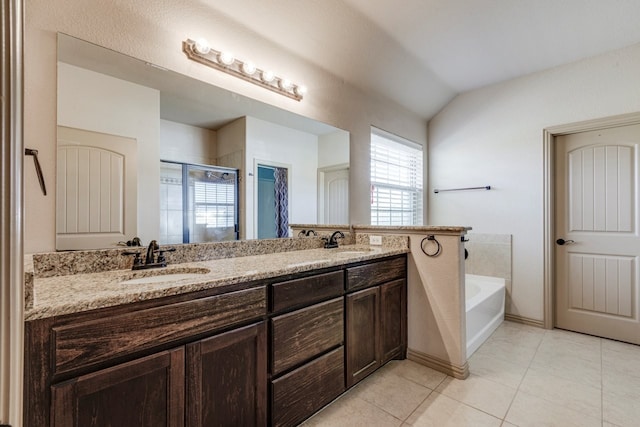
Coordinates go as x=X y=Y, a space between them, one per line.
x=333 y=207
x=272 y=202
x=96 y=196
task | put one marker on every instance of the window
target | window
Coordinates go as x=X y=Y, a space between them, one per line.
x=215 y=204
x=396 y=180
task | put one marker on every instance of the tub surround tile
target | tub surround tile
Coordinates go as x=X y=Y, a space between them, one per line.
x=488 y=238
x=80 y=292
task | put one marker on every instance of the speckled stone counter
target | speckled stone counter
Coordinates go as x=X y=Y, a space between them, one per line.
x=74 y=293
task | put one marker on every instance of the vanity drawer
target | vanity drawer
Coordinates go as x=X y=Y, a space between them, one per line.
x=367 y=275
x=306 y=290
x=302 y=334
x=86 y=343
x=300 y=393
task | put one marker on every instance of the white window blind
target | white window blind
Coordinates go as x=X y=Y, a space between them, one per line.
x=214 y=204
x=396 y=181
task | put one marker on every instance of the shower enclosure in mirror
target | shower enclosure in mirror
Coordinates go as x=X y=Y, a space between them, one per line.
x=198 y=203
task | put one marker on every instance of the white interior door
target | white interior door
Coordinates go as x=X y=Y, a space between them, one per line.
x=334 y=204
x=596 y=223
x=96 y=189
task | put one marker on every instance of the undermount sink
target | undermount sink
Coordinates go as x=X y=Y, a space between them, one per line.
x=163 y=275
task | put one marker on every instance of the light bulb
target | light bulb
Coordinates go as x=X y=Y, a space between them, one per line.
x=268 y=76
x=301 y=90
x=285 y=84
x=249 y=67
x=202 y=46
x=226 y=58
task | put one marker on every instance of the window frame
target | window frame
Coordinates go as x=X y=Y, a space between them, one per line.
x=412 y=187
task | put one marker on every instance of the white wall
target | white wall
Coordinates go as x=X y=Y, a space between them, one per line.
x=153 y=31
x=333 y=149
x=493 y=136
x=272 y=144
x=125 y=109
x=187 y=144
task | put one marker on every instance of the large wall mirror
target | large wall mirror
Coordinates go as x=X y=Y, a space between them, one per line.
x=124 y=125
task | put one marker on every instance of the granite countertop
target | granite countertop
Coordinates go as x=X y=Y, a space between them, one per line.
x=53 y=296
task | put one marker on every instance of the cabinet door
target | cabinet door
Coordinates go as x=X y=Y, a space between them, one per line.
x=393 y=323
x=144 y=392
x=227 y=379
x=363 y=326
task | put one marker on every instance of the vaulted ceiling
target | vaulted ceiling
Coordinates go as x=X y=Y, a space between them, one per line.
x=422 y=53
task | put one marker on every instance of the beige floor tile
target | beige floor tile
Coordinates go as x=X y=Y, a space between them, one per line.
x=567 y=366
x=392 y=393
x=562 y=343
x=621 y=357
x=531 y=411
x=620 y=406
x=503 y=350
x=441 y=411
x=415 y=372
x=569 y=394
x=517 y=334
x=354 y=412
x=488 y=396
x=506 y=424
x=498 y=370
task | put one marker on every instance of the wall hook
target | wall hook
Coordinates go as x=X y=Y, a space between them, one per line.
x=34 y=153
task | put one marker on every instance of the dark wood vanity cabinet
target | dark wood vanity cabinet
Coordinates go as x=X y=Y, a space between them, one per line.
x=260 y=353
x=307 y=351
x=144 y=392
x=194 y=360
x=376 y=317
x=226 y=379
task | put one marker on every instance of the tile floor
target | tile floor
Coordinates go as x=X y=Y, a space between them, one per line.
x=521 y=376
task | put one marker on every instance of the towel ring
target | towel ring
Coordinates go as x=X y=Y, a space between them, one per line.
x=432 y=238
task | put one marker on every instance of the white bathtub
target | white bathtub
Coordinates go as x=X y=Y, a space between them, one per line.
x=484 y=297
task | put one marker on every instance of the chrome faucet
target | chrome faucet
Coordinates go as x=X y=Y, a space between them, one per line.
x=332 y=242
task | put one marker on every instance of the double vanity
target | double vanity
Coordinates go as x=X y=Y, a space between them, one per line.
x=265 y=339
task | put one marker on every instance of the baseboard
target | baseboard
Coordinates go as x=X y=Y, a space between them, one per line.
x=444 y=366
x=524 y=320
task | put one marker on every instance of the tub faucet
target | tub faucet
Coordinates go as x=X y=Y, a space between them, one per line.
x=331 y=242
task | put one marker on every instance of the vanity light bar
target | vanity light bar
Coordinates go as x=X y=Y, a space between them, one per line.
x=201 y=52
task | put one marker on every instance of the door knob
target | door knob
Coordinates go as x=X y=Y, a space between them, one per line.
x=562 y=242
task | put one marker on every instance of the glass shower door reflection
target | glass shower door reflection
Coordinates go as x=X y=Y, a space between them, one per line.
x=198 y=203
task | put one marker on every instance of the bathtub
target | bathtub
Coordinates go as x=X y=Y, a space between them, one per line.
x=484 y=298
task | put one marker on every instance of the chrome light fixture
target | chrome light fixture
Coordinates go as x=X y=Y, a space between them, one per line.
x=200 y=51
